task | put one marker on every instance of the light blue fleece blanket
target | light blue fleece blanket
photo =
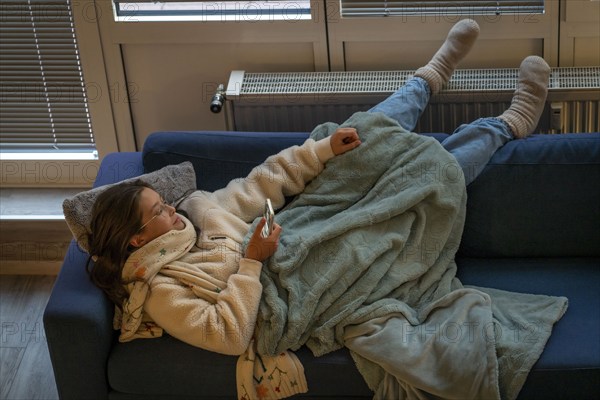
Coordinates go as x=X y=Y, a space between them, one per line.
x=366 y=261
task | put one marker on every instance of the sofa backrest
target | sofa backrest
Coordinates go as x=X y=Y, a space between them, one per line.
x=538 y=197
x=218 y=157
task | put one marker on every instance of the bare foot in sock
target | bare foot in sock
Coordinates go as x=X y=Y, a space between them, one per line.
x=458 y=43
x=529 y=98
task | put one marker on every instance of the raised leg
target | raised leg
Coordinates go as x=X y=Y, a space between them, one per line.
x=459 y=42
x=474 y=144
x=407 y=103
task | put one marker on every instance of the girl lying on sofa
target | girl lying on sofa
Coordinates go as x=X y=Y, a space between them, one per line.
x=195 y=271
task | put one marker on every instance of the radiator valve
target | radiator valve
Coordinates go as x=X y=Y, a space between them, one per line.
x=216 y=103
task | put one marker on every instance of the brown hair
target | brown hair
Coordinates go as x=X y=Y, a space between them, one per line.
x=116 y=218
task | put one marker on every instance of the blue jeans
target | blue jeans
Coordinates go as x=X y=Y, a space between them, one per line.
x=473 y=145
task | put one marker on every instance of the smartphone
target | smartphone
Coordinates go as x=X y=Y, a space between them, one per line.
x=270 y=217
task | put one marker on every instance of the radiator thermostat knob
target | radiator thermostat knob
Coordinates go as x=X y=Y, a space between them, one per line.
x=216 y=103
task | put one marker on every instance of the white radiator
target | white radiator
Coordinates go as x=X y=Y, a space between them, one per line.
x=297 y=102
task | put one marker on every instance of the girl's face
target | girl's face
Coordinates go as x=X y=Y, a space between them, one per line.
x=158 y=218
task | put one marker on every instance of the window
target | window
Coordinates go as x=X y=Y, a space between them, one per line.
x=43 y=105
x=187 y=10
x=355 y=8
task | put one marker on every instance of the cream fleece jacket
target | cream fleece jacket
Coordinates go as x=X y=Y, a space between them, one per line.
x=209 y=297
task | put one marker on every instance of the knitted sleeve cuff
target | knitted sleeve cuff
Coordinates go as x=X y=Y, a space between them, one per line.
x=250 y=267
x=323 y=149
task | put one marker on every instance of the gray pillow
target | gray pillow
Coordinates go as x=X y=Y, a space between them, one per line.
x=173 y=183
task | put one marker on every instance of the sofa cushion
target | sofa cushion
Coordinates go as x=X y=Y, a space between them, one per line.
x=574 y=341
x=168 y=367
x=569 y=367
x=537 y=197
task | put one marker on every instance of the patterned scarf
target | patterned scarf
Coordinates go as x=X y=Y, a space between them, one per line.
x=141 y=267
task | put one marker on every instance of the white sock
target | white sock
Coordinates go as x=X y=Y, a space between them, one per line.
x=458 y=43
x=529 y=97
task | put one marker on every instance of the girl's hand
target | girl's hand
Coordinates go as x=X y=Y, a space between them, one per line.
x=260 y=248
x=343 y=140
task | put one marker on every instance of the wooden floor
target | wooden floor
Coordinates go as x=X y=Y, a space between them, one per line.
x=25 y=369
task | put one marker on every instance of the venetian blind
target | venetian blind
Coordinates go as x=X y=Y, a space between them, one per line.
x=43 y=105
x=142 y=8
x=355 y=8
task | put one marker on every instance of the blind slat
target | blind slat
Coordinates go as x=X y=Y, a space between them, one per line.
x=189 y=1
x=353 y=8
x=67 y=131
x=61 y=106
x=43 y=103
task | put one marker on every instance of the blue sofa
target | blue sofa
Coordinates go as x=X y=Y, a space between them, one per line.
x=533 y=225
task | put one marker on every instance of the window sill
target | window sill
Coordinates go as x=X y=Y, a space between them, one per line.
x=33 y=234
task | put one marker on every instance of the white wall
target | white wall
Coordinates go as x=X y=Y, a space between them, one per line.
x=579 y=33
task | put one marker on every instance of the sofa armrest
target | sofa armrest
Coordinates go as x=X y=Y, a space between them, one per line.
x=78 y=316
x=78 y=326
